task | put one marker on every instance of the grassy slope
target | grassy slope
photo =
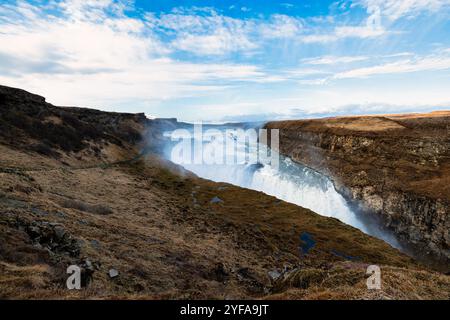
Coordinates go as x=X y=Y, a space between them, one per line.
x=156 y=225
x=165 y=244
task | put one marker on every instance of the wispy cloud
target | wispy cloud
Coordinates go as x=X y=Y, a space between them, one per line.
x=395 y=9
x=287 y=5
x=327 y=60
x=336 y=68
x=110 y=53
x=281 y=26
x=206 y=34
x=428 y=63
x=370 y=28
x=212 y=33
x=90 y=52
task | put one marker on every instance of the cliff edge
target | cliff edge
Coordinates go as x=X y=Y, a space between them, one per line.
x=394 y=166
x=76 y=188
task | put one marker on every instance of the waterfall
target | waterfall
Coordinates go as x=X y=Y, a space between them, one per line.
x=291 y=182
x=288 y=181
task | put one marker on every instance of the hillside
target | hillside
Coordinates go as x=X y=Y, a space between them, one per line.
x=396 y=167
x=76 y=188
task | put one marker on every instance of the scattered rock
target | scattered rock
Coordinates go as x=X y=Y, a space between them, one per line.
x=113 y=273
x=50 y=236
x=216 y=200
x=274 y=275
x=95 y=244
x=59 y=232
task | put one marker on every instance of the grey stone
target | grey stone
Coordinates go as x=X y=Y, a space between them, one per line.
x=88 y=265
x=274 y=275
x=113 y=273
x=59 y=232
x=216 y=200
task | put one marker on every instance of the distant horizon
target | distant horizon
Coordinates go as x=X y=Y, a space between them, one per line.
x=251 y=120
x=230 y=60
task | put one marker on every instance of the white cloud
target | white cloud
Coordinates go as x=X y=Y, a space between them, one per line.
x=210 y=34
x=394 y=9
x=370 y=29
x=91 y=53
x=287 y=5
x=427 y=63
x=340 y=67
x=329 y=60
x=313 y=82
x=221 y=42
x=281 y=26
x=340 y=33
x=358 y=32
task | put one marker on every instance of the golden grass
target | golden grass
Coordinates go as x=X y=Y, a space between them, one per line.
x=167 y=246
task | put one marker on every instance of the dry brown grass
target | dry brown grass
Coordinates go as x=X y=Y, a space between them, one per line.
x=166 y=238
x=348 y=281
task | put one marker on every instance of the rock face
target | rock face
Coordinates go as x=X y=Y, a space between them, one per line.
x=26 y=119
x=397 y=167
x=89 y=197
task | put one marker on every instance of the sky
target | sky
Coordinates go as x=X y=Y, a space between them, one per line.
x=230 y=60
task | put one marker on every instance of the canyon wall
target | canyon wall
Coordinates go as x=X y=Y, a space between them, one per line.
x=396 y=168
x=76 y=189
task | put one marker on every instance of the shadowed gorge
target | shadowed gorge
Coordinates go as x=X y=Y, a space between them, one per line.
x=142 y=227
x=396 y=167
x=286 y=180
x=205 y=159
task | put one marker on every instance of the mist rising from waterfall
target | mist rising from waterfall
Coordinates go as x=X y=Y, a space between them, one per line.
x=288 y=181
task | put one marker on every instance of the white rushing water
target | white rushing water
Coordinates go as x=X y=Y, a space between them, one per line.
x=288 y=181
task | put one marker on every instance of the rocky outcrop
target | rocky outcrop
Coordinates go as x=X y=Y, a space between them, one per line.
x=397 y=167
x=28 y=120
x=139 y=227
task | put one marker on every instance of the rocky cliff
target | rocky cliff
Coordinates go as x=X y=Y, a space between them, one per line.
x=396 y=167
x=76 y=189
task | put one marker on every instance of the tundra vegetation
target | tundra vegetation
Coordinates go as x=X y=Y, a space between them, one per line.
x=141 y=227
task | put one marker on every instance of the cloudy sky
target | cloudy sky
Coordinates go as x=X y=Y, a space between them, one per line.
x=230 y=60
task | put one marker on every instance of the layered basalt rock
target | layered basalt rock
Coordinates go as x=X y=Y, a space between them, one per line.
x=140 y=227
x=396 y=167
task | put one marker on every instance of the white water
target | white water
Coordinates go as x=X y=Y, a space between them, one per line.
x=288 y=181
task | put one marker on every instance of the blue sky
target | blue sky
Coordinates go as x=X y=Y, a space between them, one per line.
x=230 y=60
